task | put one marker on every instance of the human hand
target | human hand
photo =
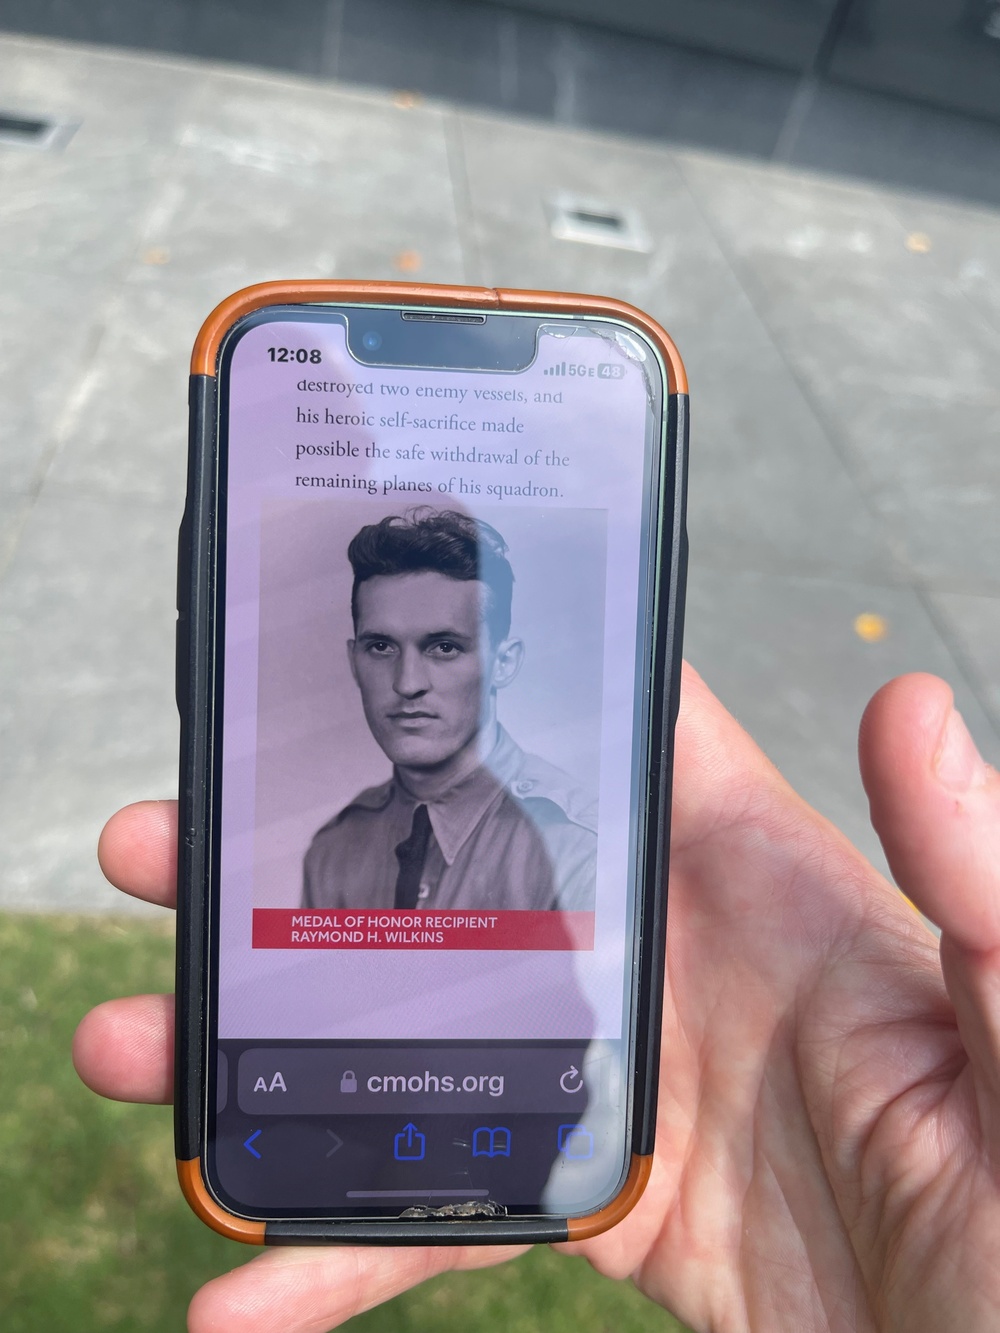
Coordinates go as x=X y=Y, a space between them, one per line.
x=829 y=1127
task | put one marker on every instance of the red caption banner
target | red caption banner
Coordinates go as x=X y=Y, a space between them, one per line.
x=298 y=928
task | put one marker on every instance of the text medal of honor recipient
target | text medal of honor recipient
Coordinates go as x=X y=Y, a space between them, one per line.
x=467 y=819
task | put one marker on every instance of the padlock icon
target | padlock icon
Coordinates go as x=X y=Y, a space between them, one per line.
x=348 y=1083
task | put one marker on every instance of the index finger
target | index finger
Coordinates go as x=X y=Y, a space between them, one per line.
x=138 y=851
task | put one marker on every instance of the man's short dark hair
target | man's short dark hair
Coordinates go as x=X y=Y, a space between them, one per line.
x=445 y=542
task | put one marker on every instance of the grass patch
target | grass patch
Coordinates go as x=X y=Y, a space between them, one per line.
x=95 y=1235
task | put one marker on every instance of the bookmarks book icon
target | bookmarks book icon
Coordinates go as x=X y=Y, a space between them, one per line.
x=491 y=1142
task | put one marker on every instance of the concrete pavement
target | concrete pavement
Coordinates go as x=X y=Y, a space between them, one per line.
x=842 y=342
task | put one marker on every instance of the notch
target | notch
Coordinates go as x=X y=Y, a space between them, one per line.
x=445 y=340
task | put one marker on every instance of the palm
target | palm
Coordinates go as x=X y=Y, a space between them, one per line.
x=819 y=1129
x=824 y=1139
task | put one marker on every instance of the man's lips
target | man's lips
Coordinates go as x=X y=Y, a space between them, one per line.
x=410 y=717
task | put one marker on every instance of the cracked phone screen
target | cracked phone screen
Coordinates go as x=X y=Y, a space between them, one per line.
x=436 y=603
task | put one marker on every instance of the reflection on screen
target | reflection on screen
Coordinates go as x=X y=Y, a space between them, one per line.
x=433 y=608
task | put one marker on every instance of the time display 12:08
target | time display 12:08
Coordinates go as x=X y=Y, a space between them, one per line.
x=299 y=354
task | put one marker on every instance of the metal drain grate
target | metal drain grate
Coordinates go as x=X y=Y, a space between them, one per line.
x=38 y=132
x=596 y=223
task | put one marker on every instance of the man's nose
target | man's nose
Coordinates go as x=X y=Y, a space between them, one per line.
x=411 y=674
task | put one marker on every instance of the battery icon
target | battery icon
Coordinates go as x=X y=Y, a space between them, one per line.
x=610 y=370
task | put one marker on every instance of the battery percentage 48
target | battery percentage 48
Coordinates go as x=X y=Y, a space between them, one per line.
x=610 y=370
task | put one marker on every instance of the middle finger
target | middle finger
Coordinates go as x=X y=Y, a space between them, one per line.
x=125 y=1049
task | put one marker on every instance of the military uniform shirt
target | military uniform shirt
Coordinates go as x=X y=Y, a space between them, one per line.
x=516 y=834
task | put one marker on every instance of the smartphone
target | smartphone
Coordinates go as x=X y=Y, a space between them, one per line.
x=430 y=593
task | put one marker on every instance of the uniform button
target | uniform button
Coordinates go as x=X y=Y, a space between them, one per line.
x=423 y=892
x=524 y=785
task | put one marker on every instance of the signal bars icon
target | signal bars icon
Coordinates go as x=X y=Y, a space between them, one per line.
x=558 y=369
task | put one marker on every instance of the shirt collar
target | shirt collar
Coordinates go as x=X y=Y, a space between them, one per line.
x=456 y=814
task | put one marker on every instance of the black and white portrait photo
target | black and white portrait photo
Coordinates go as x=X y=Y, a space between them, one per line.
x=444 y=696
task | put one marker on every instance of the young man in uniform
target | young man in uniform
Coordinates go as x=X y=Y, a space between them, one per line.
x=467 y=818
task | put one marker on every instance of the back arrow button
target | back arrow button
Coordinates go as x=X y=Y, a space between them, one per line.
x=248 y=1143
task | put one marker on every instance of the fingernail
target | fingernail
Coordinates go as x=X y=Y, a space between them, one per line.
x=959 y=764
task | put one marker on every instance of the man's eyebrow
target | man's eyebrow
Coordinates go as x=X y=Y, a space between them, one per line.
x=445 y=634
x=370 y=635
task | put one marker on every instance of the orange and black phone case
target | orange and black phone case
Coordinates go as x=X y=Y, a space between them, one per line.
x=195 y=684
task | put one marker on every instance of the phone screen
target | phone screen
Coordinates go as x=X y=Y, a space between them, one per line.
x=434 y=597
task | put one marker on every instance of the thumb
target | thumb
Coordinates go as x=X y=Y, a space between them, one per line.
x=935 y=804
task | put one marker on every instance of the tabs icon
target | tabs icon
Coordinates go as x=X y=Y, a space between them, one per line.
x=576 y=1142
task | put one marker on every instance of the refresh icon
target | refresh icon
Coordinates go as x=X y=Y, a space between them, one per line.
x=572 y=1080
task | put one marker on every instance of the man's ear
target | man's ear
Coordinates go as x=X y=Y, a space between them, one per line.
x=350 y=660
x=507 y=658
